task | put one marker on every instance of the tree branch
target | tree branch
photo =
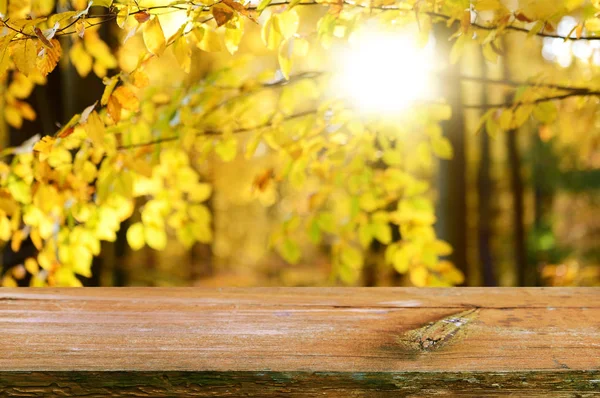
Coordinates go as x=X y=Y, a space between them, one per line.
x=219 y=133
x=536 y=101
x=511 y=83
x=180 y=7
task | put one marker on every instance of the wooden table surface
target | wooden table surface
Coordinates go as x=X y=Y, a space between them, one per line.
x=299 y=341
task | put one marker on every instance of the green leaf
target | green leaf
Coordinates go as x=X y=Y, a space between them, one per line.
x=290 y=251
x=327 y=222
x=262 y=5
x=545 y=112
x=314 y=232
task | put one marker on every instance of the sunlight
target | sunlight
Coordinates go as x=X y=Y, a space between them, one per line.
x=386 y=72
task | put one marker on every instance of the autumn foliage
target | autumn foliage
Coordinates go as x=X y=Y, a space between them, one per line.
x=135 y=153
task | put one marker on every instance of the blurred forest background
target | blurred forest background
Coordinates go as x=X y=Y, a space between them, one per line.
x=520 y=208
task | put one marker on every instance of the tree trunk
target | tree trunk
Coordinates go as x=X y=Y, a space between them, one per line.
x=485 y=191
x=515 y=166
x=452 y=183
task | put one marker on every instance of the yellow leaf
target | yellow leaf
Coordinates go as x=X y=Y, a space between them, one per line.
x=441 y=147
x=102 y=3
x=65 y=277
x=25 y=110
x=270 y=36
x=202 y=232
x=418 y=276
x=351 y=257
x=392 y=157
x=489 y=53
x=21 y=86
x=81 y=60
x=21 y=191
x=5 y=229
x=114 y=108
x=457 y=49
x=208 y=39
x=140 y=79
x=135 y=236
x=48 y=58
x=226 y=149
x=285 y=57
x=155 y=237
x=126 y=98
x=24 y=55
x=233 y=36
x=81 y=260
x=365 y=235
x=122 y=16
x=442 y=248
x=200 y=214
x=301 y=47
x=13 y=117
x=94 y=127
x=401 y=260
x=593 y=24
x=32 y=266
x=382 y=232
x=199 y=192
x=185 y=235
x=506 y=119
x=110 y=84
x=100 y=51
x=59 y=156
x=487 y=5
x=17 y=239
x=154 y=37
x=36 y=238
x=368 y=201
x=440 y=111
x=183 y=53
x=8 y=281
x=545 y=112
x=286 y=23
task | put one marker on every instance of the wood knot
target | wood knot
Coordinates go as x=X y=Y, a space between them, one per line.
x=437 y=334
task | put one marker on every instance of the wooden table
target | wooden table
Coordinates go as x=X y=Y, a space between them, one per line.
x=300 y=342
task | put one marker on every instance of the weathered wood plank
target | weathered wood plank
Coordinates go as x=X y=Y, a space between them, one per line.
x=297 y=384
x=309 y=340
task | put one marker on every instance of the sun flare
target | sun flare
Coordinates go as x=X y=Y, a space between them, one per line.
x=386 y=72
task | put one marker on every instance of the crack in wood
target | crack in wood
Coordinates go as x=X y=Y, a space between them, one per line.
x=440 y=333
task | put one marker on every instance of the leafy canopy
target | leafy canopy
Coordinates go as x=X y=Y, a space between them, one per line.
x=136 y=150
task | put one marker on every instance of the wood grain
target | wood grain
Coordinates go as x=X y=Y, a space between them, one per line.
x=383 y=340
